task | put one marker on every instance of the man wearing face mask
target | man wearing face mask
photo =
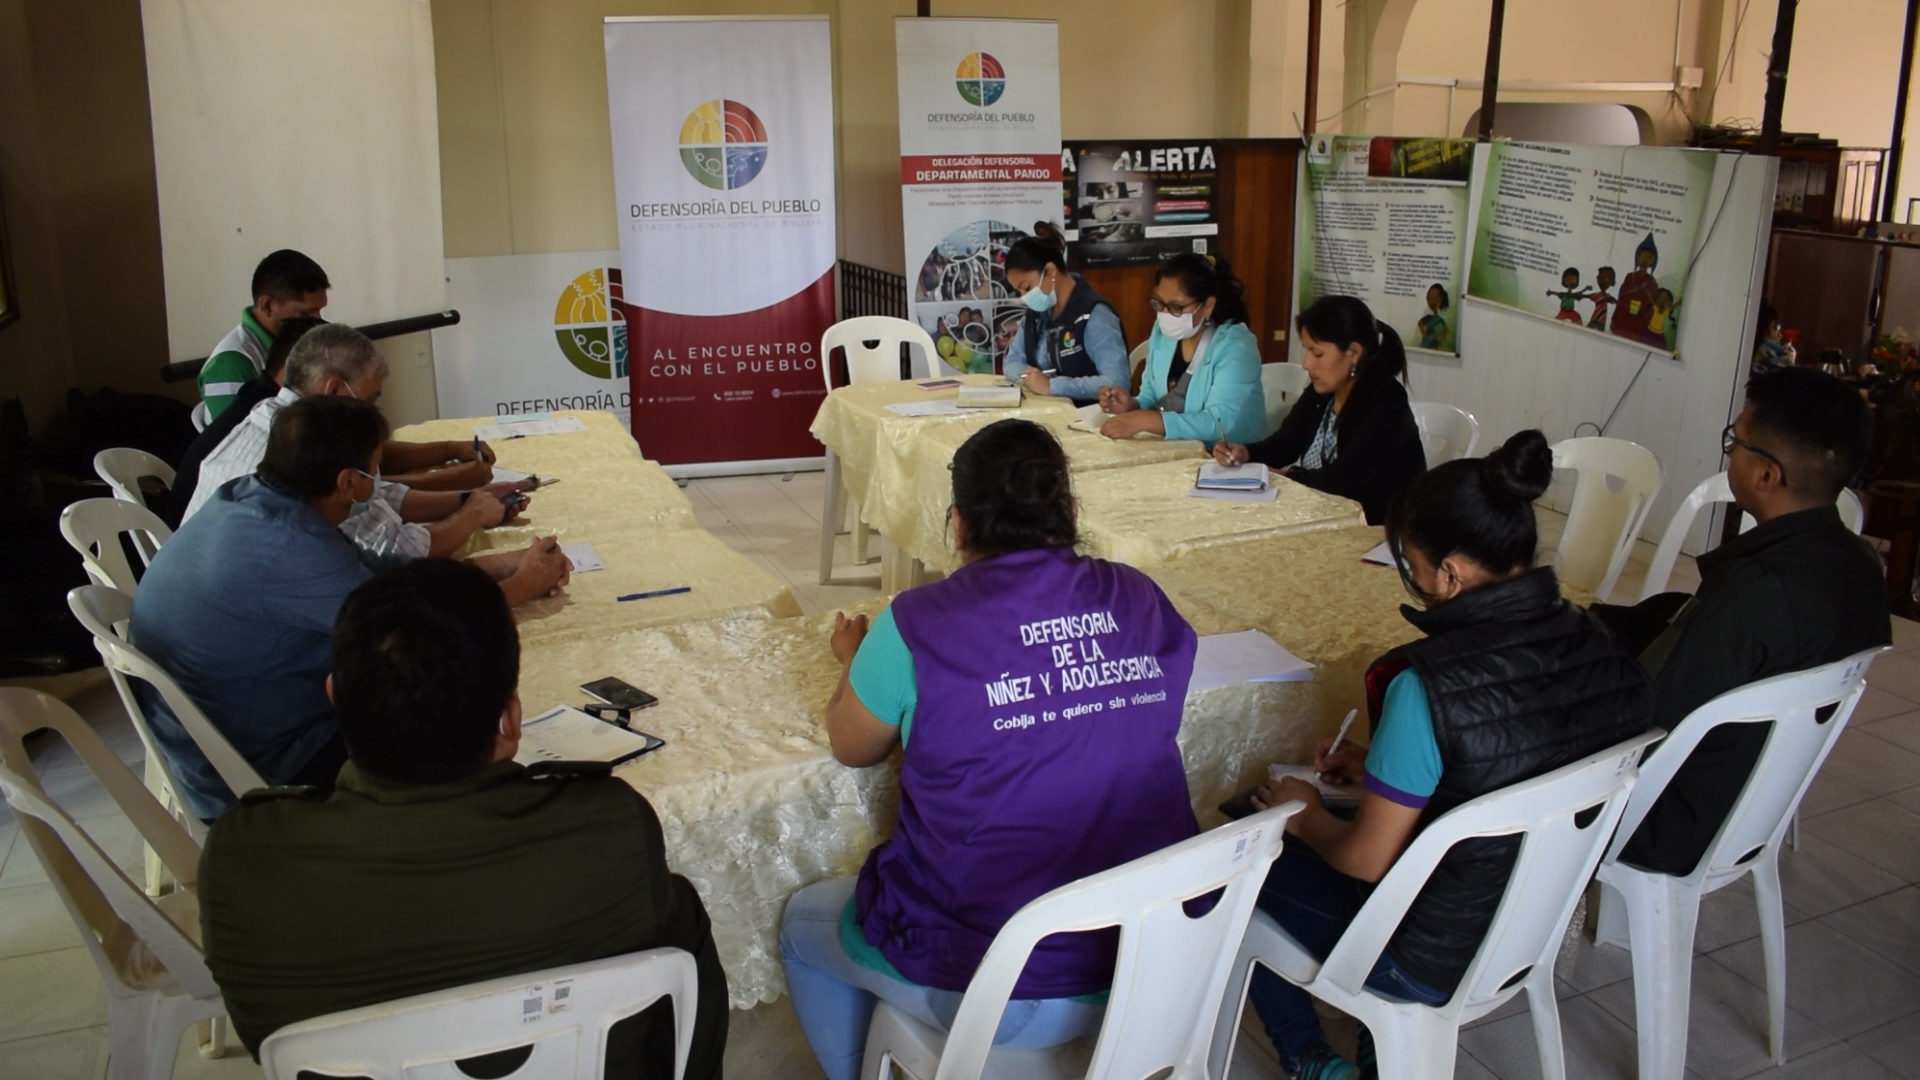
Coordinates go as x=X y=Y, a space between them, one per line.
x=1069 y=343
x=395 y=523
x=1202 y=374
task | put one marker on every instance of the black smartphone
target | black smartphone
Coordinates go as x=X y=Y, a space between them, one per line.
x=620 y=692
x=1240 y=805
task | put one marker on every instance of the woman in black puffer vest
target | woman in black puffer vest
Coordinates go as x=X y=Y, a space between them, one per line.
x=1510 y=682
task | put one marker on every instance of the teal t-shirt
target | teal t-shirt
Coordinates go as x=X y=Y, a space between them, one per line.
x=1403 y=762
x=881 y=676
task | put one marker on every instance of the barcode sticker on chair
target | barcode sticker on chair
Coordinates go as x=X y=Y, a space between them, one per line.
x=1242 y=842
x=562 y=995
x=533 y=1007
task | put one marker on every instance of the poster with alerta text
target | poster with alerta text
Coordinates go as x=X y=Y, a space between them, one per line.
x=1385 y=220
x=723 y=180
x=1141 y=201
x=979 y=165
x=1597 y=237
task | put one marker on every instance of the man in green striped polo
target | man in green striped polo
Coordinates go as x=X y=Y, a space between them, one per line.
x=286 y=285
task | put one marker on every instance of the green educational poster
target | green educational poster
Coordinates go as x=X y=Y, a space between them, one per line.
x=1385 y=220
x=1597 y=237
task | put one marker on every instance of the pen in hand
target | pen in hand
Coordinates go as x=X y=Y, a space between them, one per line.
x=1339 y=737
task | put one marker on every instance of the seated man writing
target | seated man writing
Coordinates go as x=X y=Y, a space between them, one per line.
x=1797 y=591
x=237 y=606
x=437 y=861
x=397 y=522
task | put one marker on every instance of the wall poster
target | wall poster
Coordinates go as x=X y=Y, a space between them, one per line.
x=1385 y=219
x=1598 y=237
x=1139 y=201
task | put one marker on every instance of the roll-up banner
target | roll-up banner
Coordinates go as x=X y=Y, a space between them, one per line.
x=979 y=165
x=723 y=174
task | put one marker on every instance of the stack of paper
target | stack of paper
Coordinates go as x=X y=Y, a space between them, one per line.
x=519 y=427
x=1248 y=656
x=989 y=397
x=940 y=407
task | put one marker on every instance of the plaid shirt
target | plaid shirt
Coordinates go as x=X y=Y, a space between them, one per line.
x=384 y=539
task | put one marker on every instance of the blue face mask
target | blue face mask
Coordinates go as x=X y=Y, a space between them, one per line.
x=1037 y=300
x=360 y=505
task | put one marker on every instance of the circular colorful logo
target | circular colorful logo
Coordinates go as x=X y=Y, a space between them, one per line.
x=591 y=328
x=723 y=144
x=980 y=78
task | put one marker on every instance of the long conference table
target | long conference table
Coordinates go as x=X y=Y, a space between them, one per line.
x=752 y=803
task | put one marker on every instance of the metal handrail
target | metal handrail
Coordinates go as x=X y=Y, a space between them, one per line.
x=183 y=370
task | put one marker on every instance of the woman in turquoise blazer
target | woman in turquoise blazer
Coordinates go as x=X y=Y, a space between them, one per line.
x=1202 y=375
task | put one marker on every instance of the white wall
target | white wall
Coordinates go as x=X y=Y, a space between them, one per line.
x=1518 y=371
x=308 y=124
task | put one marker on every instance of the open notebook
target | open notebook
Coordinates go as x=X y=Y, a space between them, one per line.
x=567 y=734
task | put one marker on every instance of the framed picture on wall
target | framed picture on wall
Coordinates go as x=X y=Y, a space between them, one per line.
x=9 y=299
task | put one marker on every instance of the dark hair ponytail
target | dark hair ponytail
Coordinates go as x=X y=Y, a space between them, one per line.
x=1011 y=486
x=1207 y=277
x=1031 y=254
x=1481 y=508
x=1342 y=321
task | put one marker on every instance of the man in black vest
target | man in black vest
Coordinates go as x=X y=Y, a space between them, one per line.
x=1798 y=591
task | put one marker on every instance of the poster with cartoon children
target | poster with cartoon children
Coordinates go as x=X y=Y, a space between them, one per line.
x=1556 y=221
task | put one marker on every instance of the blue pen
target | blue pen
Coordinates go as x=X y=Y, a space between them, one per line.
x=676 y=590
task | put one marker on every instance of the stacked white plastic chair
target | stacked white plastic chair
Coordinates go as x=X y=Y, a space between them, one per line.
x=562 y=1014
x=879 y=362
x=147 y=950
x=1655 y=915
x=1167 y=983
x=1564 y=820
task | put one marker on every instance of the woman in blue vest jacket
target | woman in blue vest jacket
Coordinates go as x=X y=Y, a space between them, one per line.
x=1509 y=682
x=1069 y=343
x=1202 y=376
x=1038 y=752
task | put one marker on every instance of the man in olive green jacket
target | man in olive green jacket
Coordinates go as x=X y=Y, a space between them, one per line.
x=437 y=861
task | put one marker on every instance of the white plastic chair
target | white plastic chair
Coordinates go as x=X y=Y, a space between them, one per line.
x=94 y=526
x=1617 y=482
x=1136 y=359
x=563 y=1013
x=201 y=416
x=147 y=951
x=104 y=611
x=1565 y=819
x=1283 y=383
x=1447 y=432
x=879 y=363
x=122 y=467
x=1655 y=915
x=1167 y=984
x=1714 y=489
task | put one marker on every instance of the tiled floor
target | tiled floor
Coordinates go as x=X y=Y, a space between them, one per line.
x=1853 y=892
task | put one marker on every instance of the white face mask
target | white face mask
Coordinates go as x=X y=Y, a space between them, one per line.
x=1176 y=327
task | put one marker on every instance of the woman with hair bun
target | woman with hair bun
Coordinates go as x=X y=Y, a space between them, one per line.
x=1069 y=343
x=1018 y=772
x=1202 y=374
x=1509 y=682
x=1352 y=433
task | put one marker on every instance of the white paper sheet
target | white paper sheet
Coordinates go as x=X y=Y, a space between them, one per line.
x=1261 y=495
x=1379 y=554
x=522 y=428
x=583 y=557
x=939 y=407
x=508 y=476
x=1331 y=794
x=566 y=734
x=1248 y=656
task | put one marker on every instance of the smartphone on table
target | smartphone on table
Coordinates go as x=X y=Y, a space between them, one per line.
x=621 y=693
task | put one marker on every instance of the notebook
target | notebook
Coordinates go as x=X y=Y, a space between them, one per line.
x=567 y=734
x=1215 y=477
x=1331 y=794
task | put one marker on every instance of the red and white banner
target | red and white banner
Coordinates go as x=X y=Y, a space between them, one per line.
x=723 y=173
x=979 y=165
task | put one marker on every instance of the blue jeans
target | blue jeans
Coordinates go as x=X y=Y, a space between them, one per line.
x=834 y=997
x=1314 y=903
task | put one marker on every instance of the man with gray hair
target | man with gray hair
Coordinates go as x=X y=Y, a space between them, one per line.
x=397 y=523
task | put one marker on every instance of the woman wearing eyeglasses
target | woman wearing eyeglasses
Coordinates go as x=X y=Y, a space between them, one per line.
x=1202 y=374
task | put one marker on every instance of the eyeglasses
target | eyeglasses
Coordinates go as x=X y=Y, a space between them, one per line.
x=1729 y=440
x=1160 y=308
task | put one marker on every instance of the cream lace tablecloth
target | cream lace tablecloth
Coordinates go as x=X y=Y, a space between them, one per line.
x=639 y=523
x=896 y=468
x=1144 y=516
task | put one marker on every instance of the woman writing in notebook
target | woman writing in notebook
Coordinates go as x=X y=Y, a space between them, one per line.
x=1069 y=343
x=1352 y=433
x=1202 y=374
x=1509 y=682
x=1005 y=794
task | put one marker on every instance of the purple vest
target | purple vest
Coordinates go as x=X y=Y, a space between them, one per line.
x=1042 y=750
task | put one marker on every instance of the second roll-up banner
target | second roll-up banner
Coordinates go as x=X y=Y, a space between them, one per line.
x=979 y=165
x=723 y=170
